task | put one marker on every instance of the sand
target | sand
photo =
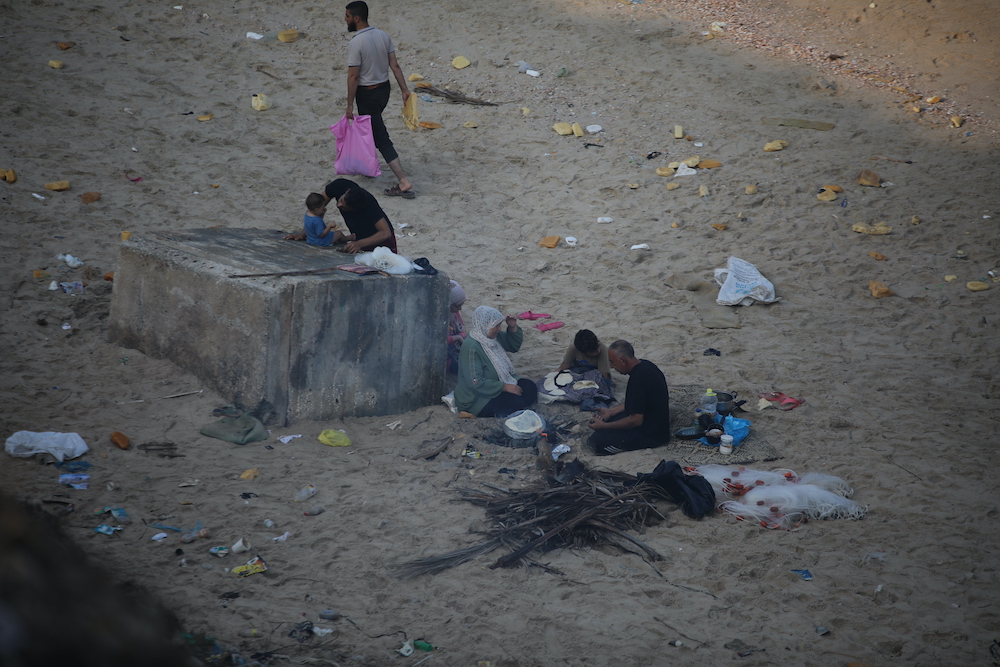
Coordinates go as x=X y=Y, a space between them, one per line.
x=901 y=391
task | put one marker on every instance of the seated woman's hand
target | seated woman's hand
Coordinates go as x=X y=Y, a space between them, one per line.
x=512 y=389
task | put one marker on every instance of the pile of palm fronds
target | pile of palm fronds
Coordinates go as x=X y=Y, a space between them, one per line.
x=572 y=507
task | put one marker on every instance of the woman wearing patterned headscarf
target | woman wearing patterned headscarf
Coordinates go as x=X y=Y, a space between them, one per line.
x=487 y=385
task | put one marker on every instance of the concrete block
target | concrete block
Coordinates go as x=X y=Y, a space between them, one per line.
x=320 y=346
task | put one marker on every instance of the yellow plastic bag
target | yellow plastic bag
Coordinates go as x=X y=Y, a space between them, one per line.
x=410 y=115
x=334 y=438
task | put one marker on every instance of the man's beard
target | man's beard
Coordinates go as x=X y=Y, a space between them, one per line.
x=352 y=27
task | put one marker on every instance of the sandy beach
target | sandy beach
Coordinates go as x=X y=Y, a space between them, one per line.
x=901 y=391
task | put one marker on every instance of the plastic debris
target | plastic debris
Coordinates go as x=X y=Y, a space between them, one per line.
x=159 y=537
x=71 y=261
x=76 y=481
x=641 y=246
x=285 y=439
x=805 y=575
x=254 y=35
x=253 y=566
x=283 y=537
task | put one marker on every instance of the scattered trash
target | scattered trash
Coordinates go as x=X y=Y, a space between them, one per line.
x=247 y=495
x=254 y=35
x=528 y=315
x=251 y=633
x=805 y=575
x=268 y=523
x=522 y=66
x=322 y=632
x=421 y=645
x=334 y=438
x=878 y=229
x=62 y=446
x=869 y=179
x=253 y=566
x=261 y=102
x=976 y=286
x=711 y=351
x=241 y=546
x=57 y=186
x=571 y=241
x=91 y=197
x=75 y=480
x=75 y=287
x=288 y=36
x=664 y=171
x=563 y=129
x=879 y=289
x=195 y=533
x=676 y=642
x=742 y=284
x=120 y=440
x=221 y=552
x=461 y=62
x=392 y=426
x=549 y=242
x=37 y=196
x=684 y=170
x=605 y=220
x=471 y=452
x=283 y=537
x=329 y=615
x=559 y=450
x=305 y=493
x=66 y=326
x=71 y=261
x=594 y=129
x=315 y=511
x=159 y=537
x=116 y=512
x=285 y=439
x=250 y=474
x=302 y=632
x=165 y=527
x=776 y=145
x=640 y=246
x=820 y=630
x=531 y=72
x=56 y=64
x=105 y=529
x=874 y=555
x=188 y=482
x=406 y=650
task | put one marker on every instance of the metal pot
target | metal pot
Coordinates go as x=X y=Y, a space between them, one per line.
x=727 y=403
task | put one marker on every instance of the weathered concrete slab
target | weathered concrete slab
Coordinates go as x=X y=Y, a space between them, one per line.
x=321 y=346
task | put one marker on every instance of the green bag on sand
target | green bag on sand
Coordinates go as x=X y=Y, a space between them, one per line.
x=241 y=430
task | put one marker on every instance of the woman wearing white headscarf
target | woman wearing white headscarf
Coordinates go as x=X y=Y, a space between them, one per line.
x=487 y=385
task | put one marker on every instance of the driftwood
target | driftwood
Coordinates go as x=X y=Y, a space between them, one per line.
x=455 y=96
x=592 y=508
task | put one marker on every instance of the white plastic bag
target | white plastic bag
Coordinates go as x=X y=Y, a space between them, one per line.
x=742 y=284
x=62 y=446
x=386 y=260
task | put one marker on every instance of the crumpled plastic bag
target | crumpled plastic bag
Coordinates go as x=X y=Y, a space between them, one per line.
x=386 y=260
x=62 y=446
x=410 y=115
x=742 y=284
x=334 y=438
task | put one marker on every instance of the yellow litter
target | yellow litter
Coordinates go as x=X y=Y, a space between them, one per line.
x=334 y=438
x=410 y=115
x=775 y=145
x=664 y=171
x=428 y=125
x=470 y=124
x=460 y=62
x=416 y=77
x=287 y=36
x=261 y=102
x=250 y=474
x=577 y=130
x=549 y=242
x=205 y=117
x=56 y=64
x=563 y=129
x=57 y=186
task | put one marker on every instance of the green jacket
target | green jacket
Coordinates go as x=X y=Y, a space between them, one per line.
x=478 y=382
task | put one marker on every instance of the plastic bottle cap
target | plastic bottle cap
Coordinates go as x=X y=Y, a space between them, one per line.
x=710 y=393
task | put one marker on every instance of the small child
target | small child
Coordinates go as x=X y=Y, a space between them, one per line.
x=317 y=231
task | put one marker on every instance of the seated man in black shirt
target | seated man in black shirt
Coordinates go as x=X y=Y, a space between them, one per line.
x=643 y=420
x=368 y=223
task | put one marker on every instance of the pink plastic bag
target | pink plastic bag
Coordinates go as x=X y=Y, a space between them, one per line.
x=355 y=147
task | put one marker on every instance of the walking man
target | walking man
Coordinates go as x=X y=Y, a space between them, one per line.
x=369 y=58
